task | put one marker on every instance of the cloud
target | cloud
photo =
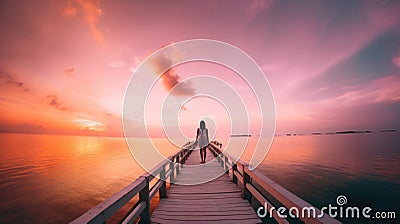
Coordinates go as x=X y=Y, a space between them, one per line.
x=257 y=6
x=31 y=126
x=69 y=70
x=385 y=89
x=10 y=80
x=373 y=62
x=170 y=78
x=54 y=101
x=92 y=12
x=90 y=125
x=70 y=10
x=117 y=64
x=396 y=61
x=136 y=63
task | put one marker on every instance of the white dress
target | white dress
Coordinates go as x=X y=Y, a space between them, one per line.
x=203 y=138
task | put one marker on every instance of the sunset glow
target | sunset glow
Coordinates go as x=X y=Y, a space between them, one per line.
x=65 y=65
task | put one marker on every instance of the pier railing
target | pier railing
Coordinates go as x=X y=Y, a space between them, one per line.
x=138 y=188
x=255 y=187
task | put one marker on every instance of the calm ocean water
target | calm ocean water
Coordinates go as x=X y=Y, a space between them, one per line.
x=53 y=179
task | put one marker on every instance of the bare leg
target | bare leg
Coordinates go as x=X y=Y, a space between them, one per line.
x=201 y=155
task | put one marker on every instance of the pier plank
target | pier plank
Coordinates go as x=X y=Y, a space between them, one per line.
x=216 y=201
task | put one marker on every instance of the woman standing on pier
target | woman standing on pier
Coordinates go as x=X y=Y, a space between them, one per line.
x=202 y=139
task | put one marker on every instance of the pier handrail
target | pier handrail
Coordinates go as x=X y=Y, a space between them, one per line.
x=250 y=182
x=139 y=187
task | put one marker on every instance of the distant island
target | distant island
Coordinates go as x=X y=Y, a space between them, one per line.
x=352 y=132
x=340 y=132
x=241 y=135
x=348 y=132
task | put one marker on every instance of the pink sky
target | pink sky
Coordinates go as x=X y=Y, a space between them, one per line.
x=65 y=65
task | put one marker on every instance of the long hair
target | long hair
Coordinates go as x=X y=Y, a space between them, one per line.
x=202 y=125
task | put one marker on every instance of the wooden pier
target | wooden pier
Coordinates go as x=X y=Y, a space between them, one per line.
x=217 y=201
x=233 y=197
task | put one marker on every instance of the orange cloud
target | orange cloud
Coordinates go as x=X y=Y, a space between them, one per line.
x=69 y=70
x=9 y=79
x=170 y=78
x=90 y=125
x=92 y=12
x=54 y=101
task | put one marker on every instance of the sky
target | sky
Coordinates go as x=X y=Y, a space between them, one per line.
x=331 y=65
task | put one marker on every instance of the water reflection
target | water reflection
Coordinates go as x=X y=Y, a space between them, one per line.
x=319 y=168
x=54 y=179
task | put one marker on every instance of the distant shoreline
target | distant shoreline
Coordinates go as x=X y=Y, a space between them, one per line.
x=241 y=135
x=343 y=132
x=319 y=133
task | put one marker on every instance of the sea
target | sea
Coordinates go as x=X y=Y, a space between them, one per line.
x=55 y=178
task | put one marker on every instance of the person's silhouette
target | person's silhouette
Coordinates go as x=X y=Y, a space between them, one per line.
x=202 y=140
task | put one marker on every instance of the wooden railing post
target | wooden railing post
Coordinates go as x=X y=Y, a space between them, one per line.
x=177 y=161
x=144 y=196
x=246 y=181
x=226 y=165
x=185 y=155
x=234 y=173
x=163 y=189
x=182 y=158
x=171 y=167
